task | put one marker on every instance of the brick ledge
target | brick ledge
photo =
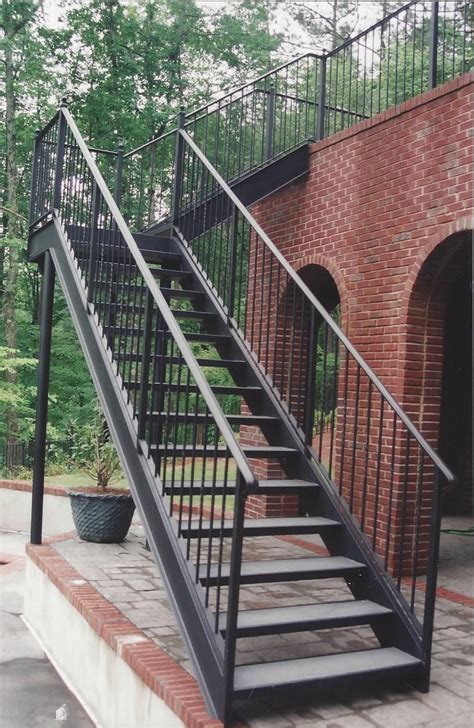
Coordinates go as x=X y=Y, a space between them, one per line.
x=168 y=680
x=420 y=100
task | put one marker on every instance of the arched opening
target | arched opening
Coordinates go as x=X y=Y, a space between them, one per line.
x=455 y=429
x=321 y=392
x=438 y=378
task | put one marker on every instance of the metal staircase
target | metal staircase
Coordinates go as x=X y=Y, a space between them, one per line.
x=208 y=353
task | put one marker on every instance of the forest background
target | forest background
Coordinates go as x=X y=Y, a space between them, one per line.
x=125 y=69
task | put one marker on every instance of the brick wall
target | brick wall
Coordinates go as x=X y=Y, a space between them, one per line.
x=379 y=200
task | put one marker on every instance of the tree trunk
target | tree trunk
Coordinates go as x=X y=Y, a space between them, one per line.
x=12 y=229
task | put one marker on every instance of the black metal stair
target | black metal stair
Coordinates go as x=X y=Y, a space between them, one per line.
x=176 y=327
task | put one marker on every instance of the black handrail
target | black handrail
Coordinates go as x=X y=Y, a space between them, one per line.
x=174 y=328
x=301 y=285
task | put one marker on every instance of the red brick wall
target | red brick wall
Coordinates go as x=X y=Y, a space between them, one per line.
x=378 y=200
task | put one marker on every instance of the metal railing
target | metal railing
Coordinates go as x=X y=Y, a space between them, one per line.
x=366 y=446
x=410 y=51
x=161 y=380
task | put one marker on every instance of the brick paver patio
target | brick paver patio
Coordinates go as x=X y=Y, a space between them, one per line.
x=127 y=576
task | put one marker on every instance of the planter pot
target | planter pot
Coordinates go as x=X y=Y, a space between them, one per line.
x=101 y=517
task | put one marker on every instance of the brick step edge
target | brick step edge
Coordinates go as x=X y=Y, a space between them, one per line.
x=160 y=673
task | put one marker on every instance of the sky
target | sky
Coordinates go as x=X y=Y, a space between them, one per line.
x=368 y=13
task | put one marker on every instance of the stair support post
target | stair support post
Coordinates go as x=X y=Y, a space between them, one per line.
x=320 y=120
x=433 y=46
x=44 y=357
x=270 y=123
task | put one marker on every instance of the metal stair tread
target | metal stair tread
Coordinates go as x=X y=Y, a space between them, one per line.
x=251 y=450
x=209 y=487
x=201 y=417
x=216 y=388
x=303 y=617
x=271 y=570
x=321 y=668
x=263 y=526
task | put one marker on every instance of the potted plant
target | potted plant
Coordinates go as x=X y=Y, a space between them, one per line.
x=101 y=514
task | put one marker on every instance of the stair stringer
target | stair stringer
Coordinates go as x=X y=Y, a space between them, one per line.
x=185 y=595
x=380 y=585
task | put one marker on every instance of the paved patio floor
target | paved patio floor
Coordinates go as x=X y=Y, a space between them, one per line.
x=126 y=575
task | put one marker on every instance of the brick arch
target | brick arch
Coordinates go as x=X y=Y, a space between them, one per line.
x=461 y=224
x=329 y=265
x=423 y=316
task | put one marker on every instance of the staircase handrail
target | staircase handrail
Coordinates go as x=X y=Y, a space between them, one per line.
x=298 y=281
x=201 y=382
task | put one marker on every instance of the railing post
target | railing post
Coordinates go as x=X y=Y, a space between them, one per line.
x=431 y=579
x=178 y=170
x=270 y=123
x=44 y=355
x=232 y=263
x=320 y=121
x=145 y=366
x=34 y=177
x=118 y=175
x=433 y=67
x=233 y=597
x=59 y=169
x=94 y=242
x=310 y=380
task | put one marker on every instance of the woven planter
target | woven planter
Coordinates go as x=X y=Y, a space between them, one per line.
x=102 y=517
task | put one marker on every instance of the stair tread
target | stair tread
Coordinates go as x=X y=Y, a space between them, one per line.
x=277 y=486
x=250 y=449
x=270 y=484
x=216 y=388
x=231 y=418
x=264 y=526
x=170 y=273
x=325 y=667
x=284 y=568
x=310 y=616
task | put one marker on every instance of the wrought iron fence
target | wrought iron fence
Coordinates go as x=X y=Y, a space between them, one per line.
x=410 y=51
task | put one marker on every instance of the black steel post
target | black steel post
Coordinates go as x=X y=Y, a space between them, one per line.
x=233 y=597
x=178 y=170
x=145 y=366
x=321 y=97
x=59 y=169
x=310 y=379
x=118 y=175
x=44 y=355
x=431 y=579
x=270 y=123
x=433 y=68
x=34 y=177
x=232 y=264
x=94 y=242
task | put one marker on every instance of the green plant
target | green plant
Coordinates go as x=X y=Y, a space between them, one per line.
x=95 y=454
